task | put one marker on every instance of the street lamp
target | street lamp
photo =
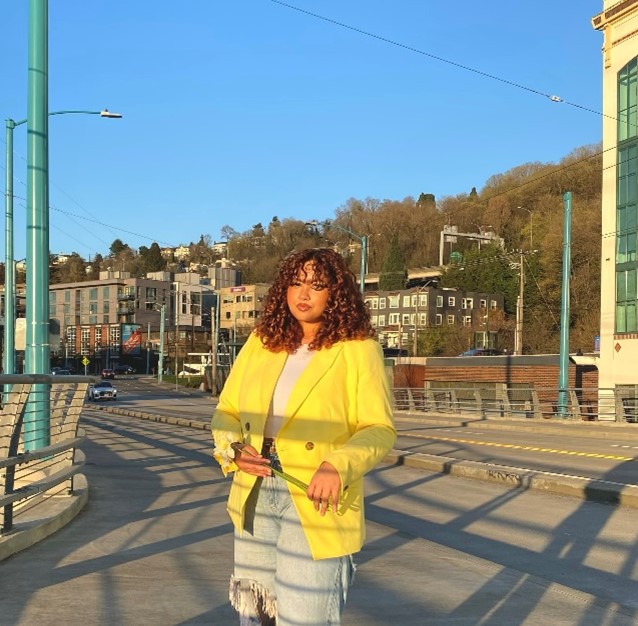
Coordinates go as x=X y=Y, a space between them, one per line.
x=9 y=267
x=480 y=229
x=363 y=239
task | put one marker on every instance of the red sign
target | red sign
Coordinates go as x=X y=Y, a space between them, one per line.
x=237 y=289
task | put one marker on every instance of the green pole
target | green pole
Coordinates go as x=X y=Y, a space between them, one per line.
x=8 y=361
x=563 y=372
x=364 y=257
x=37 y=355
x=160 y=364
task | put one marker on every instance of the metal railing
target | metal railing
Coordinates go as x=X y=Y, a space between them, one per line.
x=30 y=477
x=524 y=401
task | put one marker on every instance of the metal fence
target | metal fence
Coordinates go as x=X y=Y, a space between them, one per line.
x=524 y=401
x=30 y=477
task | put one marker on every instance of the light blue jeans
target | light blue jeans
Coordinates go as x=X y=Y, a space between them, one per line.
x=276 y=580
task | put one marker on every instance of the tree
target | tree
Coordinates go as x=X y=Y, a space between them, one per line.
x=228 y=232
x=487 y=271
x=394 y=273
x=426 y=200
x=117 y=247
x=152 y=259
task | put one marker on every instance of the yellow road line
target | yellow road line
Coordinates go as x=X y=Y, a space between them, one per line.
x=513 y=446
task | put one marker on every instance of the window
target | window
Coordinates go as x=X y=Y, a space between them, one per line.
x=406 y=300
x=467 y=320
x=374 y=303
x=493 y=305
x=98 y=337
x=627 y=201
x=439 y=319
x=393 y=301
x=393 y=319
x=373 y=320
x=382 y=304
x=483 y=304
x=93 y=319
x=93 y=294
x=114 y=336
x=86 y=336
x=439 y=301
x=382 y=320
x=423 y=319
x=406 y=319
x=423 y=299
x=105 y=292
x=414 y=299
x=450 y=320
x=467 y=303
x=451 y=301
x=92 y=307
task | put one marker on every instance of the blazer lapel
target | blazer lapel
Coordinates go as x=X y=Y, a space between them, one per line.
x=320 y=363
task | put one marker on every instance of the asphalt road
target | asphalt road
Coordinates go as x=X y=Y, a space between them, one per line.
x=610 y=458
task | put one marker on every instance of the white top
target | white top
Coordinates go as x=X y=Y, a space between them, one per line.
x=295 y=364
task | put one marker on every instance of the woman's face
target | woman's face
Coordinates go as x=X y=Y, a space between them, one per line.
x=307 y=298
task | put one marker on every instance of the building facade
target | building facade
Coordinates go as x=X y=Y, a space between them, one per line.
x=398 y=316
x=619 y=261
x=240 y=308
x=119 y=317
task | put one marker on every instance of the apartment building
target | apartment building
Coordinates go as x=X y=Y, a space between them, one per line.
x=398 y=315
x=240 y=308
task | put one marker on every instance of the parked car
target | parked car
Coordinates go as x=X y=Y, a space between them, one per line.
x=108 y=374
x=124 y=369
x=482 y=352
x=103 y=390
x=58 y=371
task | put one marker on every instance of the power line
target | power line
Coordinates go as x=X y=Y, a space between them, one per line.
x=467 y=68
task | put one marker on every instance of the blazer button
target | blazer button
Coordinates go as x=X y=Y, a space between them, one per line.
x=310 y=445
x=247 y=426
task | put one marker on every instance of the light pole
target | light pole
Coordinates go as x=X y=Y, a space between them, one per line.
x=9 y=285
x=363 y=240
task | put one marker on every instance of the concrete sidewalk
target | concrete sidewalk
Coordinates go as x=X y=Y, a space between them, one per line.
x=154 y=546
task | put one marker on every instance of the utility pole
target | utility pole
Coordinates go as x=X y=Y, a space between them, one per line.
x=213 y=348
x=518 y=335
x=148 y=349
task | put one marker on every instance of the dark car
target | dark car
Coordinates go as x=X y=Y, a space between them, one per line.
x=482 y=352
x=58 y=371
x=102 y=391
x=124 y=369
x=108 y=374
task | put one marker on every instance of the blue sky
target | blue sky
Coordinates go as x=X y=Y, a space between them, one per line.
x=238 y=111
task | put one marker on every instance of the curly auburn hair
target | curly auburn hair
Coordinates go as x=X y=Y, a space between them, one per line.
x=346 y=316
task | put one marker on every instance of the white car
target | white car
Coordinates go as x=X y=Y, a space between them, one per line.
x=103 y=390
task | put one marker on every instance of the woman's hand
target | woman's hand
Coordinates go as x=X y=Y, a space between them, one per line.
x=250 y=461
x=325 y=488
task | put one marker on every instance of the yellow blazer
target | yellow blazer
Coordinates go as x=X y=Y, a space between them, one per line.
x=340 y=411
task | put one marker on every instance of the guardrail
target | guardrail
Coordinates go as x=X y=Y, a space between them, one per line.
x=29 y=478
x=524 y=401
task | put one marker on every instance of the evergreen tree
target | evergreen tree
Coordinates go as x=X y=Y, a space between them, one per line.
x=394 y=273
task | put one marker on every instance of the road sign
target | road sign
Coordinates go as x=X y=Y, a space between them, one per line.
x=85 y=361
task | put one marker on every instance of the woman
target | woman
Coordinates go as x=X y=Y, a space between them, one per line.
x=307 y=396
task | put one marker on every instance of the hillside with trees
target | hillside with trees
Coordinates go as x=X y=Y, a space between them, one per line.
x=523 y=206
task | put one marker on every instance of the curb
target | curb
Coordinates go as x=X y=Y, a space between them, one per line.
x=57 y=513
x=562 y=484
x=596 y=430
